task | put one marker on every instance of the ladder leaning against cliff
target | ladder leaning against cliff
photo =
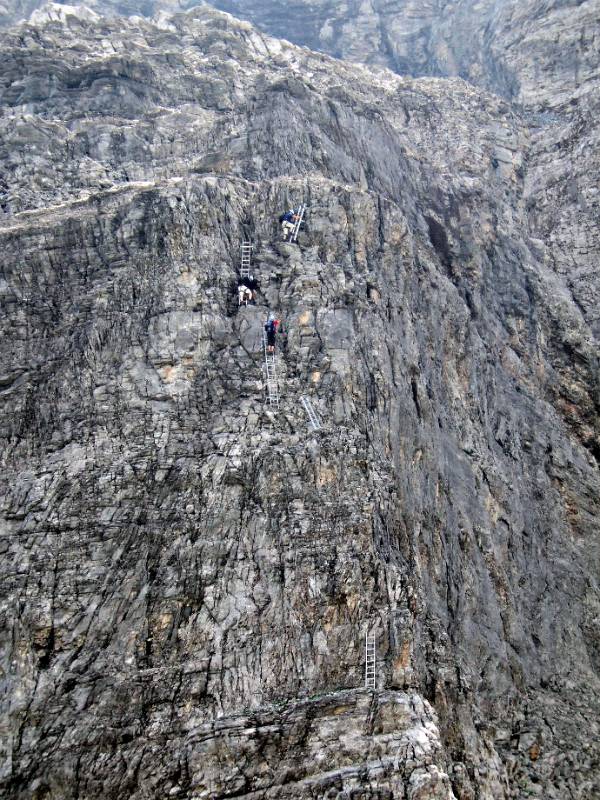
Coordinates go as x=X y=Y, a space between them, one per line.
x=370 y=660
x=300 y=218
x=312 y=417
x=246 y=259
x=271 y=370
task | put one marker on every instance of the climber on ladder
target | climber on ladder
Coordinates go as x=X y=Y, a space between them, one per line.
x=291 y=222
x=271 y=331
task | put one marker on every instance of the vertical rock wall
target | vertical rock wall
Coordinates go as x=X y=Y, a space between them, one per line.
x=188 y=577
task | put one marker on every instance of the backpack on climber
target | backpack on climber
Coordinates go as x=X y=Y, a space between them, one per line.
x=247 y=289
x=291 y=221
x=271 y=326
x=244 y=295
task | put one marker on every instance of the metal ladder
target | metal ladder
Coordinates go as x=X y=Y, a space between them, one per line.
x=246 y=259
x=370 y=660
x=312 y=417
x=271 y=370
x=296 y=228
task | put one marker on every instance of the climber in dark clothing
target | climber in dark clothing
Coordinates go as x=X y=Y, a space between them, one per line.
x=288 y=221
x=252 y=284
x=271 y=331
x=247 y=291
x=244 y=295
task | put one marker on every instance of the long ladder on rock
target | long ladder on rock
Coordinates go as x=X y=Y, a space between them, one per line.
x=312 y=417
x=296 y=228
x=246 y=259
x=370 y=660
x=271 y=370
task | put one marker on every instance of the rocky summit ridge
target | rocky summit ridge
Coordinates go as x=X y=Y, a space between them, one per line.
x=188 y=576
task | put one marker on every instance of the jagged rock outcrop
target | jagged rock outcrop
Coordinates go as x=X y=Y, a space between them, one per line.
x=15 y=11
x=188 y=576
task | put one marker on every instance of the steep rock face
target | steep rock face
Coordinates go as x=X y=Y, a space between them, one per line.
x=526 y=51
x=522 y=50
x=545 y=57
x=189 y=576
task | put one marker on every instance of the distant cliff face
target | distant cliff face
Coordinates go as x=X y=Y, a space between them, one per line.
x=410 y=37
x=539 y=54
x=15 y=11
x=188 y=577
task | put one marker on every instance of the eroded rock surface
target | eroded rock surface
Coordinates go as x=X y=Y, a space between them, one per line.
x=542 y=57
x=188 y=577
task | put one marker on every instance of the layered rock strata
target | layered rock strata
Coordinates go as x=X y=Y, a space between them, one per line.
x=188 y=577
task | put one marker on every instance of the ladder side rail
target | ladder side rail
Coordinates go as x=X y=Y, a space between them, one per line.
x=313 y=417
x=273 y=393
x=296 y=228
x=246 y=250
x=297 y=223
x=314 y=420
x=271 y=372
x=307 y=411
x=370 y=660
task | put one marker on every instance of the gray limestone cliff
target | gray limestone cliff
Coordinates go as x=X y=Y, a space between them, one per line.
x=187 y=575
x=543 y=57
